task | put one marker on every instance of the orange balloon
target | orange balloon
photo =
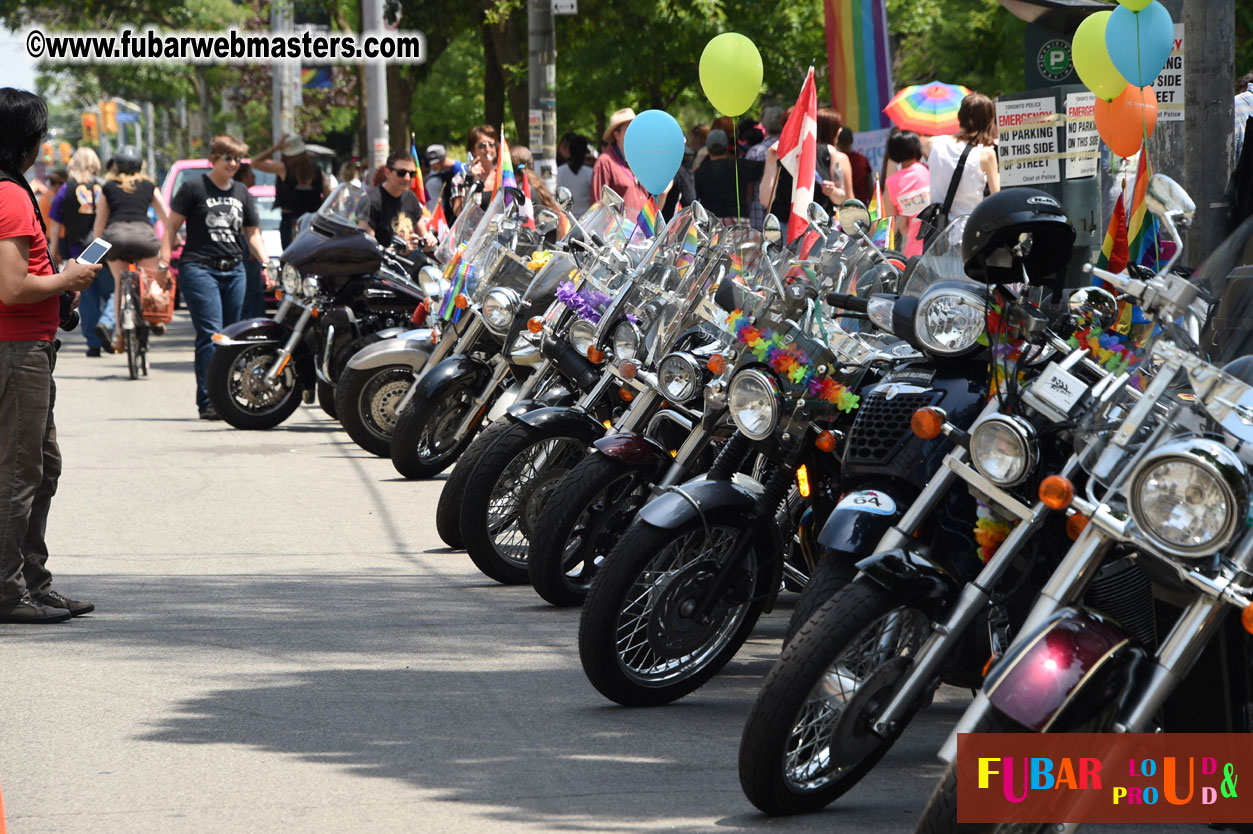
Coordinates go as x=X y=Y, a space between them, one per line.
x=1128 y=120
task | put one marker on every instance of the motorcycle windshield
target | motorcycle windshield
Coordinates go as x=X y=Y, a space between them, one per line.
x=1225 y=281
x=345 y=205
x=498 y=253
x=462 y=228
x=942 y=261
x=607 y=223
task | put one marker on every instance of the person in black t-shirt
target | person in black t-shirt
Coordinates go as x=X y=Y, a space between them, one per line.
x=392 y=210
x=221 y=219
x=716 y=178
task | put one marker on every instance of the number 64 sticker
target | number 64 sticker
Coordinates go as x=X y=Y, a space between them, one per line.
x=868 y=501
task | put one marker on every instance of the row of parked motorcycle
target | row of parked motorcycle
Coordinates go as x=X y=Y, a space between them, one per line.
x=971 y=474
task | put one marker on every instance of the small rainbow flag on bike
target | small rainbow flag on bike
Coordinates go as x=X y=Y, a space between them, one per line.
x=504 y=168
x=647 y=221
x=691 y=245
x=458 y=273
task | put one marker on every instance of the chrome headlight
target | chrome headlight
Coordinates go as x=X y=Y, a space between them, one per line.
x=309 y=287
x=582 y=336
x=626 y=341
x=498 y=309
x=290 y=280
x=1004 y=449
x=879 y=311
x=679 y=375
x=1190 y=496
x=950 y=318
x=753 y=400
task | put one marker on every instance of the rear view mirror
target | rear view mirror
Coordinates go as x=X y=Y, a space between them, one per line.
x=1167 y=199
x=817 y=214
x=771 y=229
x=611 y=198
x=1095 y=303
x=564 y=198
x=854 y=216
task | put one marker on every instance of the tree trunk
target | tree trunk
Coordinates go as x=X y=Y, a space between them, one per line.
x=507 y=42
x=493 y=81
x=206 y=115
x=401 y=82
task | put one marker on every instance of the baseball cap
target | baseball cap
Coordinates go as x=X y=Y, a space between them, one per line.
x=716 y=141
x=434 y=153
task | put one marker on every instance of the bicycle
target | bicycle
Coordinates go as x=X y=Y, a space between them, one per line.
x=147 y=298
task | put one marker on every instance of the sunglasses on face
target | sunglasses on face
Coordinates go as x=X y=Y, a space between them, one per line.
x=228 y=159
x=404 y=173
x=486 y=145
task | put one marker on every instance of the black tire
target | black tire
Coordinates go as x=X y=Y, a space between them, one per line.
x=365 y=401
x=688 y=562
x=422 y=442
x=506 y=492
x=326 y=399
x=583 y=520
x=830 y=575
x=448 y=511
x=846 y=640
x=238 y=393
x=131 y=338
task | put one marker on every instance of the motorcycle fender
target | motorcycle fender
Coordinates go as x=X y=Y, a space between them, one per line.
x=412 y=351
x=859 y=521
x=1075 y=665
x=555 y=396
x=454 y=371
x=909 y=575
x=504 y=403
x=250 y=331
x=672 y=510
x=635 y=450
x=579 y=425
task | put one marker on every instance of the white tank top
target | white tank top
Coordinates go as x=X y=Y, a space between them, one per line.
x=942 y=162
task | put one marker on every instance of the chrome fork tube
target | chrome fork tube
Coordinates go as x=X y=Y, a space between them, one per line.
x=597 y=391
x=298 y=331
x=499 y=369
x=443 y=349
x=639 y=411
x=688 y=452
x=533 y=381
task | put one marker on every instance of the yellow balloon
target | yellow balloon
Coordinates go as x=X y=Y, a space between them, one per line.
x=730 y=73
x=1091 y=58
x=1136 y=5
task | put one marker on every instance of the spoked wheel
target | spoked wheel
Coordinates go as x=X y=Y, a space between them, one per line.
x=808 y=738
x=581 y=523
x=425 y=441
x=240 y=392
x=507 y=491
x=366 y=400
x=639 y=643
x=452 y=496
x=131 y=324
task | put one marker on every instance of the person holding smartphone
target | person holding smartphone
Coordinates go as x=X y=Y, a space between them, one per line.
x=30 y=310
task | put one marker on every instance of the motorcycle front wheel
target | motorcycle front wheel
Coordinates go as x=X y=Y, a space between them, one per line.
x=507 y=491
x=638 y=643
x=587 y=514
x=240 y=392
x=808 y=737
x=366 y=404
x=425 y=440
x=452 y=496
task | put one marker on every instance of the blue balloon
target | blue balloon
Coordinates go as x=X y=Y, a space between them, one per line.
x=654 y=149
x=1139 y=43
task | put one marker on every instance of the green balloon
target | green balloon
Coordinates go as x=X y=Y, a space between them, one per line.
x=1092 y=60
x=730 y=73
x=1136 y=5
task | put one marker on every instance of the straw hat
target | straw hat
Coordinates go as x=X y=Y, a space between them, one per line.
x=622 y=117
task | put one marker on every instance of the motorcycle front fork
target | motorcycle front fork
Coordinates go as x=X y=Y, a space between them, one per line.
x=284 y=355
x=442 y=350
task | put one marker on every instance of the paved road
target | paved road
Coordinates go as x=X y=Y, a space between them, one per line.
x=282 y=643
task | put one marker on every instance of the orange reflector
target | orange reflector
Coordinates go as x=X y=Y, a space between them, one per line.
x=283 y=364
x=674 y=453
x=1076 y=525
x=218 y=337
x=625 y=395
x=1057 y=492
x=314 y=312
x=1246 y=618
x=535 y=324
x=607 y=424
x=802 y=481
x=595 y=354
x=628 y=369
x=717 y=364
x=825 y=441
x=988 y=665
x=927 y=423
x=278 y=294
x=461 y=301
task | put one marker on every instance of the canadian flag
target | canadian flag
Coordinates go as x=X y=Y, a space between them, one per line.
x=798 y=147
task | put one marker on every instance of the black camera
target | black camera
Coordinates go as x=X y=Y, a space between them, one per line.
x=69 y=311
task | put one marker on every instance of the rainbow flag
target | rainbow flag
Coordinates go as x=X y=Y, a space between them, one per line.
x=1143 y=238
x=647 y=221
x=691 y=245
x=460 y=273
x=1113 y=255
x=504 y=168
x=859 y=61
x=419 y=187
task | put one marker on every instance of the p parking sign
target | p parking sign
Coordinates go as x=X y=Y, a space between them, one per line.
x=1053 y=60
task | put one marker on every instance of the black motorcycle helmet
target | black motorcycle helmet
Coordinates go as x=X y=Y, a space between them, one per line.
x=993 y=230
x=128 y=160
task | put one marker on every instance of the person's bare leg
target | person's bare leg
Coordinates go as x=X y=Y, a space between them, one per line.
x=116 y=268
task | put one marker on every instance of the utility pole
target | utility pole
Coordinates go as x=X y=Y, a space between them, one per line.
x=375 y=91
x=542 y=89
x=1208 y=118
x=152 y=139
x=284 y=121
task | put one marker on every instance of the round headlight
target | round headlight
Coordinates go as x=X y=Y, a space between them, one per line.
x=582 y=336
x=626 y=341
x=950 y=319
x=1003 y=449
x=1190 y=496
x=289 y=278
x=753 y=400
x=498 y=309
x=679 y=376
x=310 y=286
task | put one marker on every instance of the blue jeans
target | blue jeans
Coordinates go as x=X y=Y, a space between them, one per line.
x=96 y=306
x=214 y=299
x=254 y=294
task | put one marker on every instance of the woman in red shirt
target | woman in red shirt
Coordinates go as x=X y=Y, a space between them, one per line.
x=30 y=461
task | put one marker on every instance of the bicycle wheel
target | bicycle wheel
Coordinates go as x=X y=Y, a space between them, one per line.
x=130 y=333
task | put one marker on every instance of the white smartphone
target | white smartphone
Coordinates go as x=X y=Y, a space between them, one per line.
x=95 y=252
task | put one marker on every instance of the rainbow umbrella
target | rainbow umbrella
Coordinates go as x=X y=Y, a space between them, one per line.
x=928 y=109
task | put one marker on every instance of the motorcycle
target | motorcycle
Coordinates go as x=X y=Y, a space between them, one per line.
x=340 y=291
x=1164 y=515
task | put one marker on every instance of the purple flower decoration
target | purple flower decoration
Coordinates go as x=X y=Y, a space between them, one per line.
x=586 y=306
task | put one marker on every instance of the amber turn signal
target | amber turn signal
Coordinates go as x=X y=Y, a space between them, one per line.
x=625 y=395
x=802 y=481
x=595 y=354
x=535 y=324
x=278 y=295
x=1246 y=618
x=991 y=660
x=927 y=423
x=825 y=441
x=717 y=364
x=1075 y=525
x=1057 y=492
x=462 y=302
x=628 y=369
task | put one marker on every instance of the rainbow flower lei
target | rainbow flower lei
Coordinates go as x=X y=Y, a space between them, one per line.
x=790 y=362
x=990 y=531
x=1114 y=351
